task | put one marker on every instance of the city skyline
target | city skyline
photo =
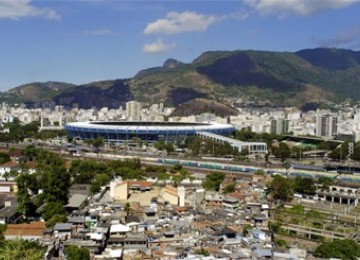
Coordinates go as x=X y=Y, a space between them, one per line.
x=84 y=41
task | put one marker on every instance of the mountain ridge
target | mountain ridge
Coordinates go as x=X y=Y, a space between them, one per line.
x=280 y=78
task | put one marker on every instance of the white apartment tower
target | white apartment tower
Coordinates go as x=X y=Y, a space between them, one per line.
x=326 y=123
x=133 y=110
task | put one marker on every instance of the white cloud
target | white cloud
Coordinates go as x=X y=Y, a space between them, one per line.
x=99 y=32
x=16 y=9
x=238 y=15
x=345 y=39
x=158 y=47
x=175 y=22
x=301 y=7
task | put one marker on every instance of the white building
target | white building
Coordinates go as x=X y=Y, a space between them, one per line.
x=133 y=110
x=326 y=123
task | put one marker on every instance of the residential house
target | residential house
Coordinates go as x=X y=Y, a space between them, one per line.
x=32 y=231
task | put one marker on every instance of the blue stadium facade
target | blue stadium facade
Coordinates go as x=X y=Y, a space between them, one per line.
x=122 y=131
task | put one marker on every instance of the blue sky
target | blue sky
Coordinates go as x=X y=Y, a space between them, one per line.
x=84 y=41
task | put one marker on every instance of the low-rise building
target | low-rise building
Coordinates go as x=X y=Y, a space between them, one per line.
x=31 y=231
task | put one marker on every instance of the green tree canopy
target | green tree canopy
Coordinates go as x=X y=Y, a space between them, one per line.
x=169 y=147
x=77 y=253
x=98 y=142
x=160 y=145
x=58 y=183
x=213 y=181
x=30 y=151
x=21 y=249
x=229 y=188
x=281 y=188
x=202 y=251
x=4 y=157
x=18 y=132
x=325 y=182
x=25 y=205
x=341 y=152
x=283 y=151
x=163 y=176
x=342 y=249
x=304 y=185
x=51 y=209
x=356 y=152
x=57 y=218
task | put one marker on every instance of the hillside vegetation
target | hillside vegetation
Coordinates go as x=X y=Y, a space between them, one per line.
x=278 y=78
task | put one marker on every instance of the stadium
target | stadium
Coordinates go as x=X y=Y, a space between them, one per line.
x=123 y=131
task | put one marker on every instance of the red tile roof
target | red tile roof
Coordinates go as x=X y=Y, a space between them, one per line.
x=143 y=184
x=10 y=164
x=34 y=228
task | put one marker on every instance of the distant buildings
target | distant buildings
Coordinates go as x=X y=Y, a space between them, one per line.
x=342 y=125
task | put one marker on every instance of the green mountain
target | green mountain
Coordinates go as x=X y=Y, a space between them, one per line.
x=277 y=78
x=200 y=105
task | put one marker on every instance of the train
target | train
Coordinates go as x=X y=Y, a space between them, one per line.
x=250 y=170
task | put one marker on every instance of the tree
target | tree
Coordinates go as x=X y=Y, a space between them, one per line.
x=58 y=183
x=77 y=253
x=304 y=185
x=163 y=176
x=229 y=188
x=177 y=179
x=127 y=209
x=246 y=229
x=3 y=228
x=176 y=168
x=356 y=152
x=30 y=151
x=10 y=174
x=160 y=145
x=325 y=145
x=202 y=251
x=51 y=209
x=169 y=147
x=283 y=151
x=281 y=243
x=100 y=180
x=244 y=152
x=342 y=249
x=25 y=205
x=98 y=142
x=325 y=182
x=57 y=218
x=21 y=249
x=296 y=152
x=95 y=187
x=281 y=188
x=4 y=157
x=194 y=144
x=341 y=152
x=213 y=181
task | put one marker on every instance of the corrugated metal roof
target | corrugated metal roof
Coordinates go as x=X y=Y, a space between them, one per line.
x=76 y=201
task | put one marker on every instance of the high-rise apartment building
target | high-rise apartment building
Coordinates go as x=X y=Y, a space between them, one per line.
x=279 y=126
x=326 y=124
x=133 y=110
